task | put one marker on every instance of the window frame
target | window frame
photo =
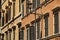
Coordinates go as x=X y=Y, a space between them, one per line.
x=21 y=34
x=28 y=33
x=56 y=14
x=46 y=26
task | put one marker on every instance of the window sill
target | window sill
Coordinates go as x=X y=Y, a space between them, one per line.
x=17 y=14
x=51 y=36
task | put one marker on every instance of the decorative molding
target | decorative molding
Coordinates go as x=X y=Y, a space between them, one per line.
x=28 y=25
x=14 y=27
x=6 y=7
x=22 y=28
x=6 y=31
x=3 y=11
x=9 y=3
x=56 y=9
x=46 y=14
x=9 y=29
x=19 y=24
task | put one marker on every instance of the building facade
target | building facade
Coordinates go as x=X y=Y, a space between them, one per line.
x=11 y=19
x=30 y=19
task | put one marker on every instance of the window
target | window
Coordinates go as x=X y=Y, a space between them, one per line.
x=13 y=9
x=19 y=5
x=22 y=10
x=21 y=35
x=38 y=29
x=27 y=9
x=3 y=21
x=10 y=35
x=9 y=14
x=38 y=3
x=13 y=34
x=28 y=33
x=0 y=15
x=46 y=25
x=56 y=25
x=32 y=33
x=34 y=4
x=2 y=36
x=35 y=31
x=6 y=35
x=6 y=16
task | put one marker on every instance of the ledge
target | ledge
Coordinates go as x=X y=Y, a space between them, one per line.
x=52 y=36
